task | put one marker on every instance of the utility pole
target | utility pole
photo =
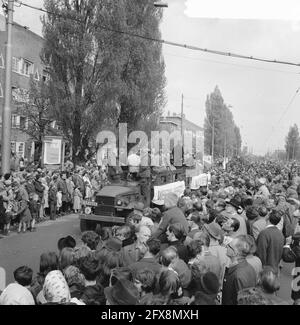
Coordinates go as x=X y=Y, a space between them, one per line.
x=225 y=147
x=6 y=114
x=182 y=135
x=213 y=141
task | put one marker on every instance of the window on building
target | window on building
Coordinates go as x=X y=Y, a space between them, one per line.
x=15 y=64
x=46 y=76
x=15 y=121
x=27 y=67
x=23 y=122
x=1 y=61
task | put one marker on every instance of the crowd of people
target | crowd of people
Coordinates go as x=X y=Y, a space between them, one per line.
x=30 y=196
x=222 y=244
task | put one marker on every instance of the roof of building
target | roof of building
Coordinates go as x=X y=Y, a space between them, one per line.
x=171 y=119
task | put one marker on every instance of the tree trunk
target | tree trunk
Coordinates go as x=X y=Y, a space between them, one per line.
x=76 y=148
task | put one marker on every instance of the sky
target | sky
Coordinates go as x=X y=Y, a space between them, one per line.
x=263 y=96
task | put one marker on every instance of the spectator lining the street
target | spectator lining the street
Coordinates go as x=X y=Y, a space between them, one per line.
x=90 y=239
x=66 y=258
x=18 y=293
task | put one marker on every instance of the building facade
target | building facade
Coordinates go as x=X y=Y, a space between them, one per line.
x=26 y=63
x=171 y=123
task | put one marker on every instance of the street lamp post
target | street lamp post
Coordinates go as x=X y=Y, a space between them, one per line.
x=6 y=114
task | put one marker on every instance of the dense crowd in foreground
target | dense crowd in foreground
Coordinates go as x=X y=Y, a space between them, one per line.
x=221 y=244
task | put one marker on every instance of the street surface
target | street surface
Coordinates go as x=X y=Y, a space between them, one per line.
x=25 y=249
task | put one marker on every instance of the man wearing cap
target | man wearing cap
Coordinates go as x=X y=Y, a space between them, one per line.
x=173 y=214
x=216 y=236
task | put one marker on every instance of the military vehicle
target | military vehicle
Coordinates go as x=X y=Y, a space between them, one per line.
x=114 y=202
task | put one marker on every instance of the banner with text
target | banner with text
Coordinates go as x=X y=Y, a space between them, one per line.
x=161 y=191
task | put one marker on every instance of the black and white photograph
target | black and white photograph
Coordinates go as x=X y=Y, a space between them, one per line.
x=150 y=155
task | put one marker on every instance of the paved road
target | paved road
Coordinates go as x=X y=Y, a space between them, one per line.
x=25 y=249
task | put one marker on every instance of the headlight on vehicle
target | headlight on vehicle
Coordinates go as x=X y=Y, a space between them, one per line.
x=119 y=202
x=87 y=210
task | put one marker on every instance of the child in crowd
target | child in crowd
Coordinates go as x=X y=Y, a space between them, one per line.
x=34 y=208
x=77 y=200
x=58 y=201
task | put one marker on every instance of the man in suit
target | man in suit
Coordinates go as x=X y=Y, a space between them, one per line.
x=240 y=274
x=136 y=251
x=270 y=242
x=260 y=223
x=172 y=215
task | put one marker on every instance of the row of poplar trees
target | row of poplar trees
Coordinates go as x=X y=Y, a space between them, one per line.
x=222 y=136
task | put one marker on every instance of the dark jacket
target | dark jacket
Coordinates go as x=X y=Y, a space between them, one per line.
x=30 y=188
x=170 y=217
x=184 y=273
x=52 y=194
x=146 y=263
x=23 y=211
x=62 y=186
x=130 y=254
x=292 y=255
x=39 y=189
x=182 y=250
x=237 y=277
x=270 y=243
x=93 y=295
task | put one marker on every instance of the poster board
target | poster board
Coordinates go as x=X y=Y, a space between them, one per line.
x=53 y=152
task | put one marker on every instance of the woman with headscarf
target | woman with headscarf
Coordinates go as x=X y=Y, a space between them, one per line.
x=56 y=290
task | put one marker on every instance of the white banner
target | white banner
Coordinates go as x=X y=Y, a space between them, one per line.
x=198 y=181
x=161 y=191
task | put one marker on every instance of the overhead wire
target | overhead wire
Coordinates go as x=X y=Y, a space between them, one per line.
x=186 y=46
x=283 y=114
x=229 y=63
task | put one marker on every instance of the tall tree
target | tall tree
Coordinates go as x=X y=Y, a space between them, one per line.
x=221 y=135
x=38 y=110
x=100 y=77
x=143 y=72
x=292 y=143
